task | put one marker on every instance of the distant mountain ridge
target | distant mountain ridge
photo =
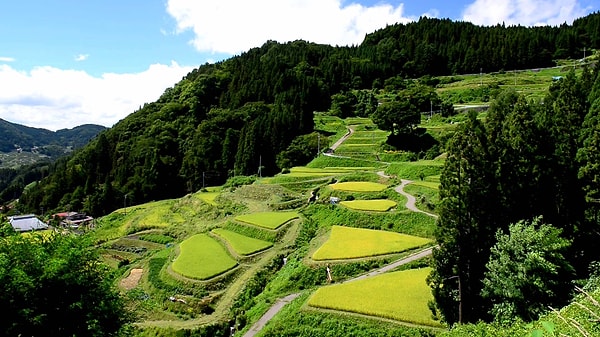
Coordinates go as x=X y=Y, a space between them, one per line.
x=17 y=137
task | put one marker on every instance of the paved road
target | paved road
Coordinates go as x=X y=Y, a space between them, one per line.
x=270 y=314
x=283 y=301
x=410 y=204
x=393 y=265
x=411 y=200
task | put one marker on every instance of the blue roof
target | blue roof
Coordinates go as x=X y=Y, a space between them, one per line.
x=24 y=223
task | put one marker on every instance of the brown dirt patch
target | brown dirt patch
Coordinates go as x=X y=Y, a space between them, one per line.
x=132 y=280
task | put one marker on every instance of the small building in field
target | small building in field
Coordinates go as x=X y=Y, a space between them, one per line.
x=73 y=219
x=26 y=223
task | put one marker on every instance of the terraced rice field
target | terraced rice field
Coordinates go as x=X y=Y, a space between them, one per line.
x=376 y=205
x=358 y=186
x=401 y=296
x=352 y=243
x=243 y=245
x=208 y=197
x=202 y=257
x=269 y=220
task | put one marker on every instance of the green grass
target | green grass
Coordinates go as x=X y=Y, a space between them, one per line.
x=202 y=257
x=415 y=170
x=208 y=197
x=428 y=184
x=401 y=296
x=352 y=243
x=377 y=205
x=358 y=186
x=269 y=220
x=323 y=161
x=242 y=244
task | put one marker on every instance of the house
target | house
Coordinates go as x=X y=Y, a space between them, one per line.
x=73 y=219
x=26 y=223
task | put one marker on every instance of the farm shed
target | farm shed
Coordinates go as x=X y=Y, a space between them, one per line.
x=25 y=223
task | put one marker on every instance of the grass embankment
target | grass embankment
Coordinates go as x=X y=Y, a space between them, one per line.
x=401 y=296
x=351 y=243
x=241 y=244
x=377 y=205
x=415 y=170
x=202 y=257
x=269 y=220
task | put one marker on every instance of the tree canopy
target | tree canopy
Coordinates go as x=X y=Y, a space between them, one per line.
x=527 y=271
x=54 y=285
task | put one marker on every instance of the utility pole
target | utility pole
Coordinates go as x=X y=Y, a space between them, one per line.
x=480 y=77
x=125 y=204
x=260 y=166
x=318 y=144
x=430 y=108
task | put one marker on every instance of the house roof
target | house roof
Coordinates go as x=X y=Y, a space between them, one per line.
x=24 y=223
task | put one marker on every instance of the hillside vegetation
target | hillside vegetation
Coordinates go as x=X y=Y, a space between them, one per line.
x=220 y=119
x=231 y=192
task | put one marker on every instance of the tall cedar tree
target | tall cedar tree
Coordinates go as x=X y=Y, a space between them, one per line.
x=466 y=225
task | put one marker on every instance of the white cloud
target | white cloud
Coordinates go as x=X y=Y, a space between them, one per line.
x=53 y=98
x=234 y=26
x=6 y=59
x=81 y=57
x=523 y=12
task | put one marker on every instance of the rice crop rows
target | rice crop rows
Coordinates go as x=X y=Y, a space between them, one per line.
x=352 y=243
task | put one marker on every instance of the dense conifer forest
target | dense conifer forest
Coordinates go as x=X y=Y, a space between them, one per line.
x=232 y=117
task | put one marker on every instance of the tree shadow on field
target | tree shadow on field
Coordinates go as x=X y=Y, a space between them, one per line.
x=416 y=141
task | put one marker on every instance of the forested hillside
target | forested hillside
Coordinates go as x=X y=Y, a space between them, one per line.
x=237 y=116
x=14 y=136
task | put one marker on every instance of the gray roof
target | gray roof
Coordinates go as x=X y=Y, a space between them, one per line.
x=24 y=223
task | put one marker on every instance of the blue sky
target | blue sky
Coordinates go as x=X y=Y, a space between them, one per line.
x=65 y=63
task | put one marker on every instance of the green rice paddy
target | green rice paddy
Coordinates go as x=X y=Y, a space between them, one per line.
x=376 y=205
x=242 y=244
x=269 y=220
x=352 y=243
x=202 y=257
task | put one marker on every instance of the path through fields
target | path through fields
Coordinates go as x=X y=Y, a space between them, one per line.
x=411 y=200
x=410 y=204
x=280 y=303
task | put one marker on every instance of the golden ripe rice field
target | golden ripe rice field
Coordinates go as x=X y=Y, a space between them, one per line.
x=351 y=243
x=401 y=296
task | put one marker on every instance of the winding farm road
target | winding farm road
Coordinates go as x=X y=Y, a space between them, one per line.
x=338 y=143
x=411 y=200
x=410 y=204
x=275 y=308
